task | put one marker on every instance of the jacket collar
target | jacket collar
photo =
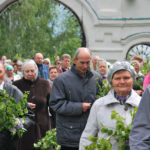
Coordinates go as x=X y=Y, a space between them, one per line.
x=88 y=74
x=30 y=82
x=131 y=100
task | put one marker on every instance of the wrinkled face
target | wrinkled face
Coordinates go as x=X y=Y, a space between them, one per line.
x=65 y=63
x=102 y=68
x=122 y=82
x=30 y=72
x=53 y=73
x=82 y=63
x=2 y=73
x=38 y=58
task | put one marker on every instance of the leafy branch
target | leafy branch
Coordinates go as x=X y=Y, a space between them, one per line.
x=145 y=69
x=121 y=134
x=48 y=142
x=11 y=113
x=106 y=87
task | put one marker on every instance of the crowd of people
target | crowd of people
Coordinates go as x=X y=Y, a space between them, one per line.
x=63 y=95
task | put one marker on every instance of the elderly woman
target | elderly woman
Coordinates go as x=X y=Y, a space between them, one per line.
x=102 y=68
x=138 y=84
x=39 y=93
x=121 y=99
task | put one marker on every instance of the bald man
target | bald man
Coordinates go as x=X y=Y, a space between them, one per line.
x=72 y=95
x=43 y=70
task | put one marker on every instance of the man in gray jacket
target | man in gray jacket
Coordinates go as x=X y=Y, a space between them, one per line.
x=72 y=95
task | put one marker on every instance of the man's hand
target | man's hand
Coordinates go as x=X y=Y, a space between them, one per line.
x=32 y=105
x=86 y=106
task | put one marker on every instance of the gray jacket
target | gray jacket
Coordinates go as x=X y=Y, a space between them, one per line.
x=101 y=113
x=7 y=142
x=13 y=91
x=68 y=93
x=140 y=133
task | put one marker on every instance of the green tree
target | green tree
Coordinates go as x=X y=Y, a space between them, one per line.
x=34 y=26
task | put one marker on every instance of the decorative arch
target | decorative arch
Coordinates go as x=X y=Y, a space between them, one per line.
x=5 y=3
x=83 y=37
x=140 y=49
x=110 y=28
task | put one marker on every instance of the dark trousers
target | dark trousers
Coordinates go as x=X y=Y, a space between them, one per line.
x=69 y=148
x=7 y=141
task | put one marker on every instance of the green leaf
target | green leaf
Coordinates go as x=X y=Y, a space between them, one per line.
x=104 y=130
x=93 y=139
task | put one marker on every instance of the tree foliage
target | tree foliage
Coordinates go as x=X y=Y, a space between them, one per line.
x=32 y=26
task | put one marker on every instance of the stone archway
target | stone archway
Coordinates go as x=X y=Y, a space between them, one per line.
x=111 y=27
x=83 y=44
x=5 y=3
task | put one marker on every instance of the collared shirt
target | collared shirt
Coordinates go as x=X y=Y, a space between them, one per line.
x=103 y=77
x=121 y=99
x=43 y=71
x=2 y=85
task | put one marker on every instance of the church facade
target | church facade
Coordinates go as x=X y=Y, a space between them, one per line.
x=111 y=27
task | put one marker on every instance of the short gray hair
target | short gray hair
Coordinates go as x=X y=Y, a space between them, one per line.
x=118 y=66
x=78 y=51
x=27 y=62
x=99 y=61
x=65 y=56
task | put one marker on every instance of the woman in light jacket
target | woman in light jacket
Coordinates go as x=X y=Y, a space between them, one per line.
x=122 y=98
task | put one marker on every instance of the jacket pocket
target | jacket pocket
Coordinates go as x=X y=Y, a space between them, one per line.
x=70 y=132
